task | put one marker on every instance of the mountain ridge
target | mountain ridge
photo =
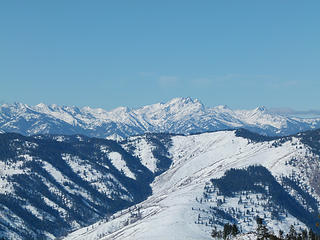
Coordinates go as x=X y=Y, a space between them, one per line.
x=280 y=186
x=51 y=184
x=179 y=115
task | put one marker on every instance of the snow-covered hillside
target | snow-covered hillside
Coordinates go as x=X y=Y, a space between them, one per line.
x=185 y=201
x=52 y=184
x=155 y=186
x=180 y=115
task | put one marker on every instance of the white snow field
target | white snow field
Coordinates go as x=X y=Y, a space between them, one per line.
x=168 y=214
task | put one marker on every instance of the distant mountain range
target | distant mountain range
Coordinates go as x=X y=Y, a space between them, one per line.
x=179 y=116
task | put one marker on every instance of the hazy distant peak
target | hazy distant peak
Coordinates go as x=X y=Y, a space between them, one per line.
x=41 y=105
x=121 y=109
x=222 y=107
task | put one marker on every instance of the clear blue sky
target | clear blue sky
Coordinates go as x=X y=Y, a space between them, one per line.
x=111 y=53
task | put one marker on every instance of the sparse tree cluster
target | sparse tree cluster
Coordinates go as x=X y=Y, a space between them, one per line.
x=263 y=233
x=229 y=230
x=242 y=194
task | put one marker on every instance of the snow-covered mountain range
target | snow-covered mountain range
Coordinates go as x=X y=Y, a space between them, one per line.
x=180 y=115
x=178 y=168
x=156 y=186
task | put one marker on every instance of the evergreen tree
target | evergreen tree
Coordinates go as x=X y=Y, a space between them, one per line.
x=234 y=230
x=262 y=230
x=299 y=236
x=227 y=229
x=281 y=234
x=311 y=235
x=292 y=235
x=259 y=220
x=215 y=233
x=304 y=234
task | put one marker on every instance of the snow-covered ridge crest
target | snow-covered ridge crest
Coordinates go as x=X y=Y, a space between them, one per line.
x=177 y=209
x=179 y=115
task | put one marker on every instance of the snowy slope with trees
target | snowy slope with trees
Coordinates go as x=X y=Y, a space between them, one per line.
x=52 y=184
x=188 y=202
x=179 y=116
x=156 y=186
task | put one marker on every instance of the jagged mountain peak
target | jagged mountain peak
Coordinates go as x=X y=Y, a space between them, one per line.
x=261 y=109
x=184 y=100
x=174 y=105
x=222 y=108
x=41 y=105
x=184 y=104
